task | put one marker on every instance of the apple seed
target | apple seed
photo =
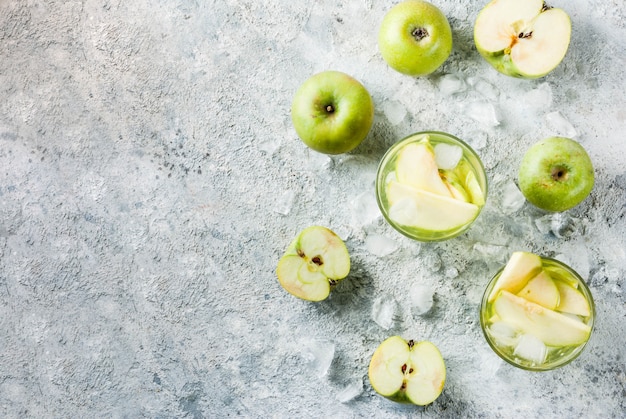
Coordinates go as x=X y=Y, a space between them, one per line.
x=317 y=260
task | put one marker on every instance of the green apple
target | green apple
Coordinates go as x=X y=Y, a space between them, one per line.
x=519 y=269
x=553 y=328
x=332 y=112
x=314 y=262
x=415 y=38
x=407 y=372
x=556 y=174
x=525 y=39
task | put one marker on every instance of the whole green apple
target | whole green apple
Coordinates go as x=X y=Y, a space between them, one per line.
x=415 y=38
x=332 y=112
x=525 y=39
x=556 y=174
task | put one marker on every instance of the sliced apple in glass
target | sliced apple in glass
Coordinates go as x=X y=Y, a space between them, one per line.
x=553 y=328
x=314 y=262
x=426 y=210
x=407 y=371
x=526 y=39
x=519 y=269
x=416 y=167
x=571 y=300
x=541 y=289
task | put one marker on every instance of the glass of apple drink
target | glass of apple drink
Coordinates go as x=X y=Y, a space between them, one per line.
x=431 y=186
x=537 y=313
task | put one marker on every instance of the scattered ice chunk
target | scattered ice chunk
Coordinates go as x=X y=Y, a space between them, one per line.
x=539 y=98
x=531 y=349
x=560 y=224
x=379 y=245
x=421 y=297
x=485 y=88
x=560 y=125
x=512 y=198
x=477 y=140
x=490 y=363
x=365 y=208
x=503 y=333
x=432 y=261
x=319 y=355
x=483 y=112
x=384 y=311
x=350 y=391
x=447 y=156
x=491 y=250
x=394 y=111
x=450 y=84
x=315 y=161
x=269 y=146
x=451 y=272
x=284 y=203
x=544 y=224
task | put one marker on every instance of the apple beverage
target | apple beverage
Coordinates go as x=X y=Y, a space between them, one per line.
x=537 y=313
x=431 y=186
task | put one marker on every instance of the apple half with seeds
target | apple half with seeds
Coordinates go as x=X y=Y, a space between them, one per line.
x=407 y=371
x=522 y=38
x=313 y=264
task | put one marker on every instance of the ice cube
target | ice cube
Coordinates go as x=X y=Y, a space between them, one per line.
x=492 y=251
x=560 y=125
x=562 y=225
x=539 y=98
x=318 y=355
x=483 y=112
x=432 y=261
x=485 y=88
x=503 y=333
x=384 y=311
x=531 y=349
x=447 y=156
x=380 y=246
x=365 y=208
x=421 y=298
x=512 y=198
x=451 y=272
x=350 y=392
x=394 y=111
x=315 y=161
x=284 y=203
x=477 y=140
x=450 y=84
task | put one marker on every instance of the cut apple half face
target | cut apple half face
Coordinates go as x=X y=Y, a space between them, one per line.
x=522 y=38
x=552 y=328
x=313 y=263
x=428 y=211
x=407 y=371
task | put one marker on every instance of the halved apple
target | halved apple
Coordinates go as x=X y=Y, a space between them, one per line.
x=526 y=39
x=520 y=268
x=407 y=372
x=541 y=289
x=314 y=262
x=553 y=328
x=425 y=210
x=572 y=300
x=416 y=167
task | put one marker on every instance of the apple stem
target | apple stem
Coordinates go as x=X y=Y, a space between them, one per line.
x=545 y=7
x=330 y=108
x=419 y=34
x=411 y=343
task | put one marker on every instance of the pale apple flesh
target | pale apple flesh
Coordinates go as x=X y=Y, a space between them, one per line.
x=541 y=290
x=407 y=371
x=314 y=262
x=522 y=38
x=519 y=269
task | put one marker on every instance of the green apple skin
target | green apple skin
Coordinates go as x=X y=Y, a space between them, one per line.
x=415 y=38
x=556 y=174
x=501 y=60
x=332 y=112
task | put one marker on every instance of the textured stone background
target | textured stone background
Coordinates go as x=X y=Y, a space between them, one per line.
x=150 y=179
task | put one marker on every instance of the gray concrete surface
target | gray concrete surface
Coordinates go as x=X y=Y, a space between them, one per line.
x=150 y=179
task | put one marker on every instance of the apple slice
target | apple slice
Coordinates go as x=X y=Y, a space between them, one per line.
x=455 y=186
x=553 y=328
x=468 y=179
x=541 y=289
x=315 y=261
x=524 y=39
x=516 y=273
x=425 y=210
x=572 y=301
x=407 y=372
x=416 y=167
